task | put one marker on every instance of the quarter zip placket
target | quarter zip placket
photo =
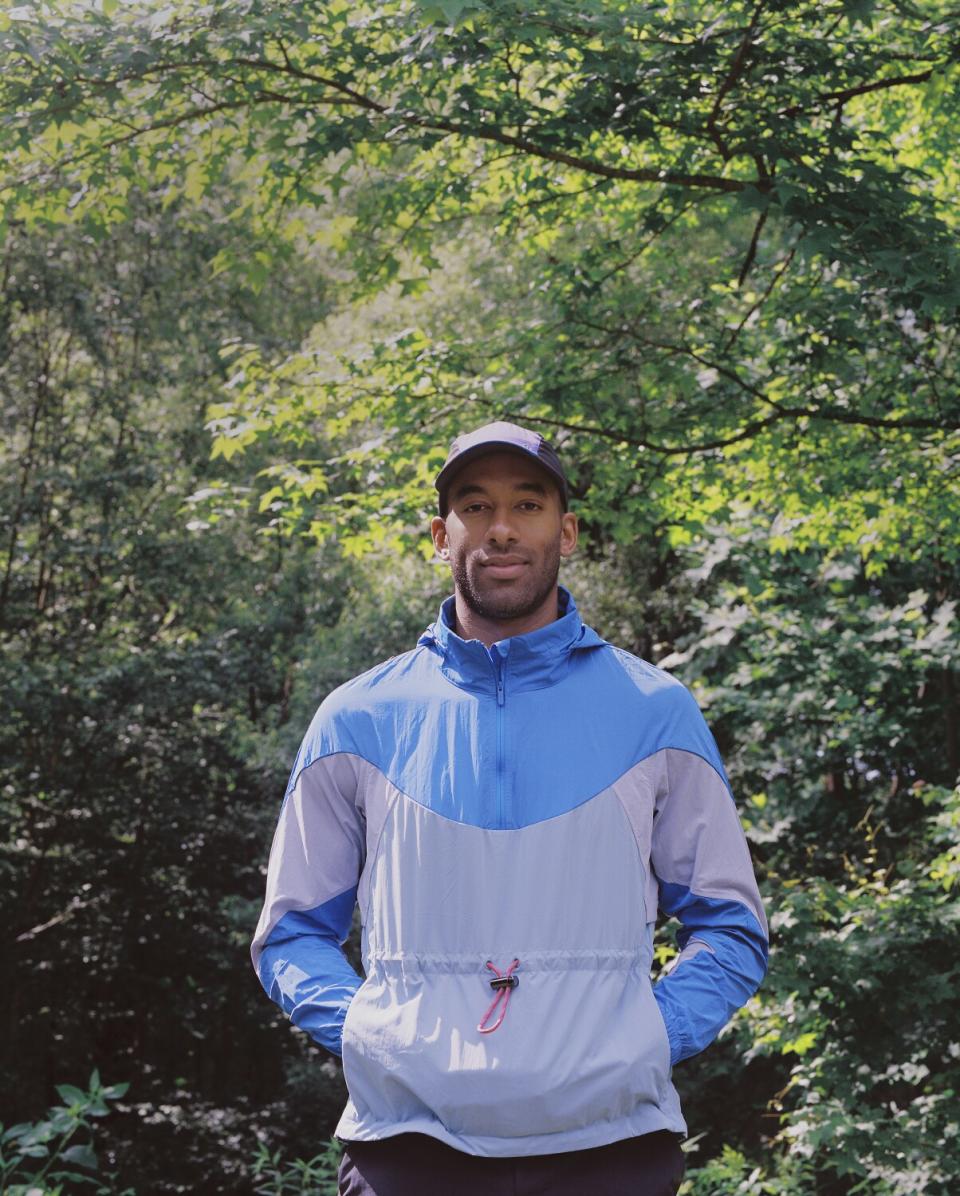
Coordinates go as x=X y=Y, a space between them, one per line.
x=496 y=659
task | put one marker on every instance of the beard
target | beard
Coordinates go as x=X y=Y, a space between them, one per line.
x=491 y=599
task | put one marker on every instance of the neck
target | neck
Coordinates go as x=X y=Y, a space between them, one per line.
x=471 y=626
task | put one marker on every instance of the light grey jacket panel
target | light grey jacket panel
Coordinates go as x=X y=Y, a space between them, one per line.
x=414 y=1062
x=437 y=886
x=567 y=898
x=331 y=821
x=691 y=846
x=671 y=800
x=322 y=805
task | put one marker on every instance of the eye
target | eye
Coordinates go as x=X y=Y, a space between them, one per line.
x=529 y=504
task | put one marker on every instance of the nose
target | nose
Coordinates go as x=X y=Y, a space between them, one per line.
x=500 y=530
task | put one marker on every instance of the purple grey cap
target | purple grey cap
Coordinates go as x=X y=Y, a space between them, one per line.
x=497 y=436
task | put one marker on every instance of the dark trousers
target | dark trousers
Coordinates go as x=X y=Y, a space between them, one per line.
x=417 y=1165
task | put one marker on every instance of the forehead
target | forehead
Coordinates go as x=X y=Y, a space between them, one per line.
x=502 y=468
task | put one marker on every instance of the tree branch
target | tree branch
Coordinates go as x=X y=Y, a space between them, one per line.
x=737 y=67
x=841 y=97
x=784 y=266
x=75 y=904
x=481 y=132
x=828 y=414
x=752 y=250
x=665 y=450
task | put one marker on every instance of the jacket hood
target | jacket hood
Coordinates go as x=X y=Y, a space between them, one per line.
x=532 y=661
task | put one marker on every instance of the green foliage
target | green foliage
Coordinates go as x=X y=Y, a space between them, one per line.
x=39 y=1158
x=833 y=694
x=718 y=242
x=731 y=1174
x=311 y=1177
x=143 y=666
x=865 y=1008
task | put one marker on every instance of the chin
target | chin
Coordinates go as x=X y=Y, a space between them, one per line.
x=507 y=606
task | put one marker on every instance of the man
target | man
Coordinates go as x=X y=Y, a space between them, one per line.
x=509 y=803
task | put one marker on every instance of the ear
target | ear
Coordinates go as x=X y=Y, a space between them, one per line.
x=438 y=533
x=569 y=533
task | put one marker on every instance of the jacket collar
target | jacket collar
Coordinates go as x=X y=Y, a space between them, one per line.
x=532 y=661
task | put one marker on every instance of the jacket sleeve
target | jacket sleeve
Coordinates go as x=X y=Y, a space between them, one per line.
x=705 y=879
x=315 y=863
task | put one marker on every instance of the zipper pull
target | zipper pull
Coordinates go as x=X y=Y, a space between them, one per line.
x=500 y=697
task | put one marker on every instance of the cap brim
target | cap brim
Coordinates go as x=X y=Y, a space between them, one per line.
x=482 y=450
x=452 y=468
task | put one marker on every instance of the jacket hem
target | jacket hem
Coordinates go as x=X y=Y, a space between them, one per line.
x=645 y=1121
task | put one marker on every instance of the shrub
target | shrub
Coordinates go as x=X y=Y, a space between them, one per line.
x=37 y=1158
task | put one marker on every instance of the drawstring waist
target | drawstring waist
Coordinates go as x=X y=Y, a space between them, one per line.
x=416 y=965
x=503 y=984
x=415 y=969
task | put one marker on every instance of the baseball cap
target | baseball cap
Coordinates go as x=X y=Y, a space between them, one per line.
x=497 y=436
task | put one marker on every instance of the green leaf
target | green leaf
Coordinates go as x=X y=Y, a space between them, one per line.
x=82 y=1155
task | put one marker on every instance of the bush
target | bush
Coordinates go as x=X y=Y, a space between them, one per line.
x=311 y=1177
x=37 y=1158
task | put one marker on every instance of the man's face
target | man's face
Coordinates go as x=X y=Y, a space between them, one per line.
x=504 y=534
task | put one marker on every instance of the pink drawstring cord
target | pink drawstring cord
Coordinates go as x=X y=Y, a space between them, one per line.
x=503 y=985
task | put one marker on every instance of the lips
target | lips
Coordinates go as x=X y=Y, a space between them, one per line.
x=504 y=568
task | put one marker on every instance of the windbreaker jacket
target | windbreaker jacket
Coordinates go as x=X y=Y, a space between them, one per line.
x=537 y=801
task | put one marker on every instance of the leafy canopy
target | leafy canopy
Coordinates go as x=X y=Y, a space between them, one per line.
x=717 y=241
